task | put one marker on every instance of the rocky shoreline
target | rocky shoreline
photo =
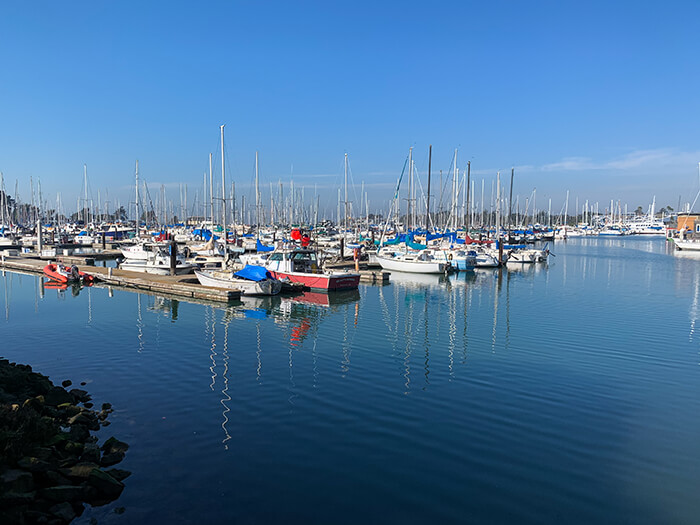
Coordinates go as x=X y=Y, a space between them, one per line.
x=51 y=465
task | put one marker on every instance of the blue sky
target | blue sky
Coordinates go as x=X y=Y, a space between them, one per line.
x=599 y=98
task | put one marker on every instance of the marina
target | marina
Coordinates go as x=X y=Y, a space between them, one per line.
x=342 y=264
x=475 y=389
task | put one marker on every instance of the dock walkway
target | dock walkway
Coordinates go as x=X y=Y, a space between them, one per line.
x=177 y=285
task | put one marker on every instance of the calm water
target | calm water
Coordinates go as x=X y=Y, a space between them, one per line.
x=560 y=394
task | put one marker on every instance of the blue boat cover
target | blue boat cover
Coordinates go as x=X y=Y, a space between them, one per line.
x=262 y=248
x=253 y=273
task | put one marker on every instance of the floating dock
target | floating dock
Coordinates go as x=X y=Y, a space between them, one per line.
x=174 y=285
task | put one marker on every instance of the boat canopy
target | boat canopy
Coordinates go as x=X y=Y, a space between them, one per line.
x=262 y=248
x=253 y=273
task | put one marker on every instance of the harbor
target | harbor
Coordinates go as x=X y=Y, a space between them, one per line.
x=285 y=402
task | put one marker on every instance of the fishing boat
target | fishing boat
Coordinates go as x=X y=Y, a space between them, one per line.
x=413 y=262
x=251 y=280
x=62 y=274
x=300 y=265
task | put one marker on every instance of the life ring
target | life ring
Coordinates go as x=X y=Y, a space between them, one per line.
x=449 y=257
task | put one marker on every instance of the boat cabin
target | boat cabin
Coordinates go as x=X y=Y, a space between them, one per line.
x=302 y=261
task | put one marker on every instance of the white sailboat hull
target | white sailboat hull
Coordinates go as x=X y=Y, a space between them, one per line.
x=399 y=265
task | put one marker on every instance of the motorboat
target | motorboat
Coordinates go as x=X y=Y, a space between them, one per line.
x=300 y=265
x=63 y=274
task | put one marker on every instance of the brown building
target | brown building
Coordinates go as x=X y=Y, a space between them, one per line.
x=689 y=222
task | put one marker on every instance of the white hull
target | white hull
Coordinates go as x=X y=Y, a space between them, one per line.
x=247 y=287
x=159 y=266
x=399 y=264
x=688 y=245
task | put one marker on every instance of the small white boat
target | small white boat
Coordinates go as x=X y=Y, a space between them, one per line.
x=687 y=244
x=157 y=263
x=251 y=280
x=413 y=262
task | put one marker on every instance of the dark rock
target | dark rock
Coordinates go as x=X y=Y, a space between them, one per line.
x=114 y=445
x=111 y=458
x=43 y=453
x=91 y=454
x=79 y=432
x=66 y=383
x=106 y=484
x=83 y=383
x=63 y=511
x=118 y=474
x=80 y=395
x=57 y=396
x=33 y=464
x=62 y=493
x=119 y=510
x=106 y=406
x=80 y=472
x=73 y=448
x=58 y=439
x=69 y=409
x=17 y=481
x=13 y=499
x=36 y=516
x=88 y=405
x=53 y=478
x=85 y=418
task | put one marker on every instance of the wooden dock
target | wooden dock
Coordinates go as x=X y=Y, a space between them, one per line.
x=175 y=285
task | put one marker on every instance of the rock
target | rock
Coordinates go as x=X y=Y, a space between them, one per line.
x=57 y=396
x=88 y=405
x=80 y=395
x=42 y=453
x=36 y=516
x=106 y=406
x=91 y=454
x=106 y=484
x=33 y=464
x=69 y=409
x=111 y=458
x=79 y=472
x=79 y=432
x=13 y=499
x=118 y=474
x=62 y=493
x=17 y=481
x=85 y=418
x=114 y=445
x=73 y=448
x=66 y=383
x=53 y=478
x=64 y=511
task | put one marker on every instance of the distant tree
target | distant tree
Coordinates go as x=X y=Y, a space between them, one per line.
x=639 y=211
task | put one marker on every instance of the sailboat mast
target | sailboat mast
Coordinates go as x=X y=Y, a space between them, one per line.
x=257 y=194
x=211 y=192
x=510 y=199
x=138 y=215
x=223 y=193
x=427 y=206
x=345 y=207
x=468 y=210
x=410 y=189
